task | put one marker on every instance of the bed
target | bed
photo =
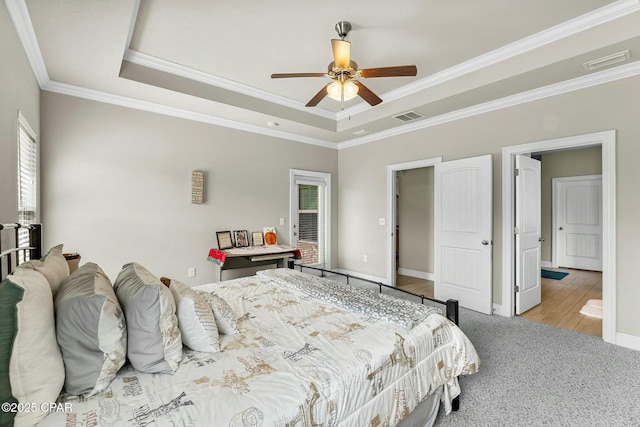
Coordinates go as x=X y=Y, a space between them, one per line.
x=308 y=352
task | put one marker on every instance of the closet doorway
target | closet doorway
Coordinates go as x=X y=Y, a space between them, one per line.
x=411 y=216
x=414 y=225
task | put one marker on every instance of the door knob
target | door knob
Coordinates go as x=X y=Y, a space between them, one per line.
x=561 y=228
x=485 y=242
x=540 y=239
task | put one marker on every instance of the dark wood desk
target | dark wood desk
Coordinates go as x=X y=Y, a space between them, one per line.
x=252 y=256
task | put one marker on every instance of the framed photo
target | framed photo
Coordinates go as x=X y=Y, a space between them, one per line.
x=256 y=236
x=224 y=239
x=242 y=238
x=270 y=237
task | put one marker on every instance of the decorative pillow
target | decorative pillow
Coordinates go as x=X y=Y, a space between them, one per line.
x=91 y=330
x=154 y=343
x=31 y=368
x=226 y=319
x=195 y=318
x=53 y=266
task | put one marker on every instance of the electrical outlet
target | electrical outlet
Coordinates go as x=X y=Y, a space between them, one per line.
x=191 y=272
x=281 y=221
x=364 y=258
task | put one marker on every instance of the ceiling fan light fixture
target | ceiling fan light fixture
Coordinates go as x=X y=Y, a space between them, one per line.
x=337 y=90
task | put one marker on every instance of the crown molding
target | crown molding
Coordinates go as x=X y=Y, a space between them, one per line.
x=568 y=28
x=595 y=79
x=22 y=21
x=156 y=63
x=124 y=101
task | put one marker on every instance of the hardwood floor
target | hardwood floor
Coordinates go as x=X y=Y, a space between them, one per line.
x=561 y=299
x=415 y=285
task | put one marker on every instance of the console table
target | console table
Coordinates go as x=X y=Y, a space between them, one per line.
x=252 y=256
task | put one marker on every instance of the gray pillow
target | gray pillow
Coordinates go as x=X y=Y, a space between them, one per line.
x=154 y=340
x=91 y=330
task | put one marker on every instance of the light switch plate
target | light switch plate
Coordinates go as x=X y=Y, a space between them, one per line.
x=381 y=221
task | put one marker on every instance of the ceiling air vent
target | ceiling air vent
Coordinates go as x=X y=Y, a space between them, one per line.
x=605 y=61
x=409 y=116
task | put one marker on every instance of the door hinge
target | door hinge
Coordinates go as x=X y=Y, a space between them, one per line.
x=517 y=288
x=516 y=172
x=516 y=230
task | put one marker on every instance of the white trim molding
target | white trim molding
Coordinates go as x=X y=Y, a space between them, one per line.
x=417 y=274
x=607 y=141
x=628 y=341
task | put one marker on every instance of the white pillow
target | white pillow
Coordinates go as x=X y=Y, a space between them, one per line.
x=154 y=344
x=36 y=371
x=226 y=318
x=195 y=318
x=53 y=266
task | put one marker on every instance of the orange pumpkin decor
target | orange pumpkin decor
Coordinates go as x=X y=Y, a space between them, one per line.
x=270 y=237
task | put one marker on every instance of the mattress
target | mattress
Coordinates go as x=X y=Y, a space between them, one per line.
x=297 y=361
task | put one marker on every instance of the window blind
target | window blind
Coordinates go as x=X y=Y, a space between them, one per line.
x=27 y=181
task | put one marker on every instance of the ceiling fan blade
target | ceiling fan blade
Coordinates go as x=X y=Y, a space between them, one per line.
x=366 y=94
x=317 y=98
x=287 y=75
x=341 y=53
x=403 y=70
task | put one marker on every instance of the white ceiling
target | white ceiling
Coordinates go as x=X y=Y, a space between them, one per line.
x=211 y=60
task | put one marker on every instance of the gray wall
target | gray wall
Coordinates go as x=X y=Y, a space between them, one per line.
x=415 y=217
x=18 y=91
x=610 y=106
x=116 y=185
x=562 y=164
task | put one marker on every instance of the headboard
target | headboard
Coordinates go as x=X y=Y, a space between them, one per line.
x=9 y=237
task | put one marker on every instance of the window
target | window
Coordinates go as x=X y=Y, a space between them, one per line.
x=27 y=180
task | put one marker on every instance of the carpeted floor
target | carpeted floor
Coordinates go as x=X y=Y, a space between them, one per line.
x=537 y=375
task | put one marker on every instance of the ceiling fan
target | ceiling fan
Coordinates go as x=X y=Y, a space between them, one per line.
x=345 y=73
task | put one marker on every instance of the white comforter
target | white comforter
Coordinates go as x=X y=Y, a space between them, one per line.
x=297 y=362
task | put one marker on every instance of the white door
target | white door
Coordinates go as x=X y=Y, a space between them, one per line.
x=310 y=207
x=577 y=214
x=528 y=233
x=463 y=232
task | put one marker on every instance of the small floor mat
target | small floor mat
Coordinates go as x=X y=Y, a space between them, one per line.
x=555 y=275
x=593 y=308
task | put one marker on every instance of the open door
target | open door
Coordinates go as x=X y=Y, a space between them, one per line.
x=463 y=232
x=528 y=233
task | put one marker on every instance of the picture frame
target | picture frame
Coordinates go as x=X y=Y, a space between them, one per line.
x=224 y=240
x=256 y=238
x=270 y=236
x=242 y=238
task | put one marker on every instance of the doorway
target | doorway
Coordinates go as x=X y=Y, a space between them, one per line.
x=310 y=204
x=393 y=205
x=606 y=142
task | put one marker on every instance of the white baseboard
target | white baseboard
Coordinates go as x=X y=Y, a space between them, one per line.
x=363 y=275
x=628 y=341
x=417 y=274
x=546 y=264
